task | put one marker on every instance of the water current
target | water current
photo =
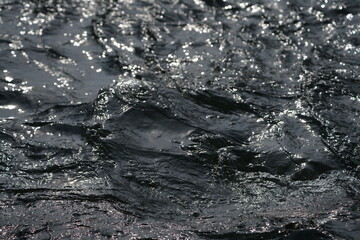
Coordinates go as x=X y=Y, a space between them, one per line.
x=179 y=119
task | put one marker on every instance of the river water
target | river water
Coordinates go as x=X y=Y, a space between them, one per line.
x=179 y=119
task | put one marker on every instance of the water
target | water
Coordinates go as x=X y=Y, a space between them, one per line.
x=179 y=119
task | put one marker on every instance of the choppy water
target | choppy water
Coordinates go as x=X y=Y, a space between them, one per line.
x=179 y=119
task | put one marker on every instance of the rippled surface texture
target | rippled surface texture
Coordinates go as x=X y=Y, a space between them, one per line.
x=179 y=119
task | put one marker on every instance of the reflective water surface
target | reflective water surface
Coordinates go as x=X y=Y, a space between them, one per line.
x=179 y=119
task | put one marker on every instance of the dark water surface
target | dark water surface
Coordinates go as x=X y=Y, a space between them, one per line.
x=179 y=119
